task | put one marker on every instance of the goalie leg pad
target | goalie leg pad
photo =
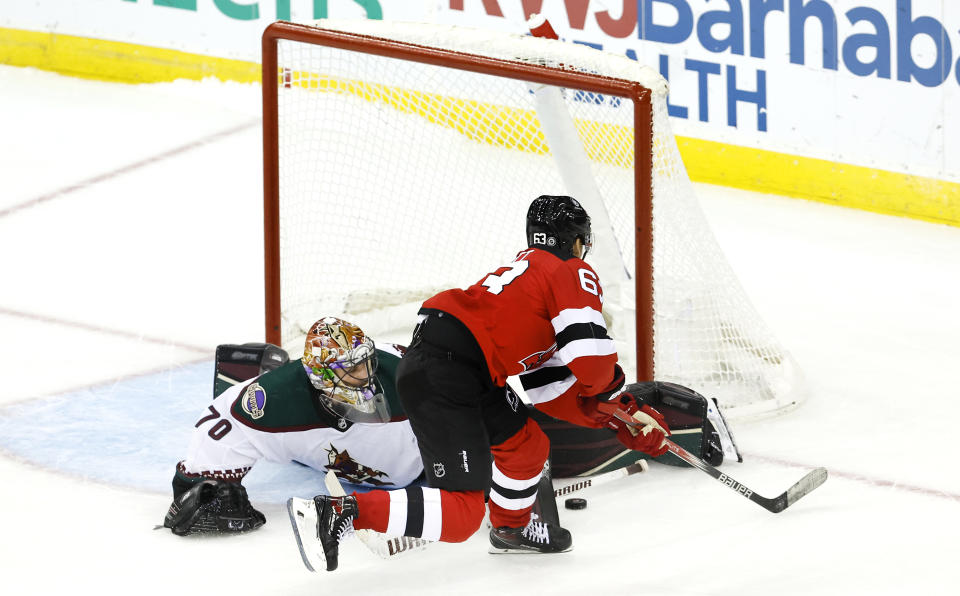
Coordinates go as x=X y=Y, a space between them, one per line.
x=213 y=507
x=237 y=363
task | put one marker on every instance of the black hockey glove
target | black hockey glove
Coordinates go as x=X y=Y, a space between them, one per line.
x=213 y=507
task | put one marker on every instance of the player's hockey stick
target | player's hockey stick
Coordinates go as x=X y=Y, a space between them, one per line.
x=777 y=504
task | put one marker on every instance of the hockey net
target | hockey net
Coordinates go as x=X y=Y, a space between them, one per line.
x=400 y=160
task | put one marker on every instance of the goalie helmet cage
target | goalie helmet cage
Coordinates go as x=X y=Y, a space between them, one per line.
x=400 y=159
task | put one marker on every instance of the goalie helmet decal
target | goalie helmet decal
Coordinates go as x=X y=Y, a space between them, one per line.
x=340 y=361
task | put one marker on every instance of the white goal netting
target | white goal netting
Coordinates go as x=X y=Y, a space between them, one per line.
x=399 y=179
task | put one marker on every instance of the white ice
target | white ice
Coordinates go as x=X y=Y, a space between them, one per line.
x=130 y=246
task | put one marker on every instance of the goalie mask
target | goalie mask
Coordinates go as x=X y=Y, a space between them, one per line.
x=340 y=361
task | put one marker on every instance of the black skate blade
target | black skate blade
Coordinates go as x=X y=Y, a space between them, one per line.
x=493 y=550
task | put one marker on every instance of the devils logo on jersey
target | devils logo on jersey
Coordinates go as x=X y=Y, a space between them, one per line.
x=537 y=358
x=347 y=469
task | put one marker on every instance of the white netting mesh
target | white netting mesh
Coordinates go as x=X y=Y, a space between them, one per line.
x=399 y=179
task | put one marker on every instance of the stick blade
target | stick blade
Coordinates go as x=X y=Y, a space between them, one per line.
x=803 y=487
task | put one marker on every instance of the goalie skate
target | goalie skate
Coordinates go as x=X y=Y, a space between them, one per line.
x=303 y=518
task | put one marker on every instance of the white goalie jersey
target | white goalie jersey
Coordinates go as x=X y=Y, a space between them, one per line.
x=275 y=417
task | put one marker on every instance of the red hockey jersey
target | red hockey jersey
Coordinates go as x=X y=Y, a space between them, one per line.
x=540 y=317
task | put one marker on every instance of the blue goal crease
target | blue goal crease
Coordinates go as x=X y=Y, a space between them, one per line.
x=133 y=432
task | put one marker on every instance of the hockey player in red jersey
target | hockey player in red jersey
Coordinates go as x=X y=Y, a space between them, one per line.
x=538 y=317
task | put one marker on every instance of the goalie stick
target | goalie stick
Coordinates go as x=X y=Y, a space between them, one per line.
x=597 y=480
x=777 y=504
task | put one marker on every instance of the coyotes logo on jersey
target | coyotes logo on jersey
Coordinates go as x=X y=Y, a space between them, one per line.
x=349 y=470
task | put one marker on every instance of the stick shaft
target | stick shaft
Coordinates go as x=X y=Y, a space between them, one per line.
x=598 y=479
x=777 y=504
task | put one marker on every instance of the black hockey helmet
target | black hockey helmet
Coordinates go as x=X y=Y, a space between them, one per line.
x=555 y=222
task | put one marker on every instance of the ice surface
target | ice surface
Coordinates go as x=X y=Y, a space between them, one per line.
x=117 y=282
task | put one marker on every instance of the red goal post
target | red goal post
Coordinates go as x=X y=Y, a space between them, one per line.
x=399 y=160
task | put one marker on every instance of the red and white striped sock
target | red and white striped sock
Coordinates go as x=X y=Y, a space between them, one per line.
x=430 y=513
x=517 y=465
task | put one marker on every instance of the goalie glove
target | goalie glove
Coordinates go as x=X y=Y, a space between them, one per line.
x=650 y=437
x=212 y=507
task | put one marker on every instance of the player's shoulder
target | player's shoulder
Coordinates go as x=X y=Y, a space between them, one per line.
x=576 y=264
x=287 y=377
x=278 y=399
x=552 y=264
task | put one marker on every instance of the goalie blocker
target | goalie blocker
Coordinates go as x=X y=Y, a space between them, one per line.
x=695 y=421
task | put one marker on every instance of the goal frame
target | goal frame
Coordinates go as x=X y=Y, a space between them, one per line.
x=640 y=96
